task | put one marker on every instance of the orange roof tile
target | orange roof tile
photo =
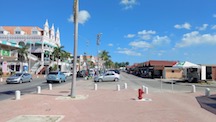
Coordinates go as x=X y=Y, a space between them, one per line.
x=26 y=29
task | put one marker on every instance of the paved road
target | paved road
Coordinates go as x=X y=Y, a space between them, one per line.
x=155 y=85
x=8 y=90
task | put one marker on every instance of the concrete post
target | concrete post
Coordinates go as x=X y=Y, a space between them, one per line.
x=37 y=76
x=118 y=87
x=95 y=87
x=207 y=92
x=143 y=88
x=1 y=79
x=38 y=89
x=193 y=89
x=17 y=95
x=50 y=86
x=146 y=90
x=125 y=85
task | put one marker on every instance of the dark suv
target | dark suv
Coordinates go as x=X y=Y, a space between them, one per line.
x=115 y=70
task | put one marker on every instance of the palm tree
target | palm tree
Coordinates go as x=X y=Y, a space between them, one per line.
x=57 y=54
x=23 y=55
x=104 y=55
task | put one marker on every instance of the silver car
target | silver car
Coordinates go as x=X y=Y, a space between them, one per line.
x=19 y=78
x=108 y=76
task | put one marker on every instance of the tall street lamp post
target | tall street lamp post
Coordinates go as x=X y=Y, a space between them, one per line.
x=73 y=84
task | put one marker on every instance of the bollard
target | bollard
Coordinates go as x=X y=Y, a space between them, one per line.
x=17 y=95
x=193 y=89
x=207 y=92
x=95 y=87
x=38 y=89
x=1 y=79
x=50 y=86
x=125 y=85
x=118 y=87
x=44 y=75
x=37 y=76
x=143 y=88
x=146 y=90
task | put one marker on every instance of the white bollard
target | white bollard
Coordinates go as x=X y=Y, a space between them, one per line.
x=125 y=85
x=50 y=86
x=193 y=89
x=38 y=89
x=1 y=79
x=143 y=88
x=146 y=90
x=44 y=75
x=17 y=95
x=207 y=92
x=95 y=87
x=118 y=87
x=37 y=76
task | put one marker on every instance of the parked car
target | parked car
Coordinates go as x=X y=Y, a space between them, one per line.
x=56 y=77
x=67 y=74
x=115 y=70
x=19 y=78
x=108 y=76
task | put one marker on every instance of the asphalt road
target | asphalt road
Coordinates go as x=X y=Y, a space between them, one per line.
x=7 y=91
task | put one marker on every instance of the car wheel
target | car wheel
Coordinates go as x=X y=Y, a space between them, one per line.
x=60 y=81
x=100 y=80
x=30 y=80
x=116 y=79
x=20 y=81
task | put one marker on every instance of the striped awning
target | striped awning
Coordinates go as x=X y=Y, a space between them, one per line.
x=4 y=42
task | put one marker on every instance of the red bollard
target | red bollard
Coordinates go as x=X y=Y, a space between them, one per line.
x=140 y=92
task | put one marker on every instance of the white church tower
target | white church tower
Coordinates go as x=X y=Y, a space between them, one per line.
x=58 y=37
x=52 y=33
x=46 y=29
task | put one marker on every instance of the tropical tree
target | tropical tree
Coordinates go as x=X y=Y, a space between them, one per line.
x=57 y=53
x=23 y=55
x=104 y=55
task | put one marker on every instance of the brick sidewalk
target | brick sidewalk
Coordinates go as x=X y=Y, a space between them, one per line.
x=107 y=105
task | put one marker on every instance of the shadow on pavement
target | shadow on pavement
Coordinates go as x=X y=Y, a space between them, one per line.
x=208 y=103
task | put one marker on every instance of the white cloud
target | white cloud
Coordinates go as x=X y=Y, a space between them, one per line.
x=213 y=27
x=128 y=4
x=214 y=15
x=195 y=38
x=83 y=16
x=110 y=45
x=146 y=35
x=128 y=52
x=204 y=26
x=185 y=26
x=160 y=40
x=140 y=44
x=130 y=36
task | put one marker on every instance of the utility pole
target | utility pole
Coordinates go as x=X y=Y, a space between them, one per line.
x=73 y=84
x=98 y=44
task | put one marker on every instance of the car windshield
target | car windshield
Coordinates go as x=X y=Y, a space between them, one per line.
x=17 y=74
x=53 y=73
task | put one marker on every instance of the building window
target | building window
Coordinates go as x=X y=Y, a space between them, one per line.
x=17 y=32
x=34 y=32
x=1 y=32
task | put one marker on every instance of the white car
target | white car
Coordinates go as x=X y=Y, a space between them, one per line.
x=108 y=76
x=67 y=74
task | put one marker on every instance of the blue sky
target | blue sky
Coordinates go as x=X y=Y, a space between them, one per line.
x=132 y=30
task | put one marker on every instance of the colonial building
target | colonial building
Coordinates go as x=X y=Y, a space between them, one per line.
x=40 y=41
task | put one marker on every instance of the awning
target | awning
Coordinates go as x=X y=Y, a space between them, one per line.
x=4 y=42
x=38 y=42
x=186 y=64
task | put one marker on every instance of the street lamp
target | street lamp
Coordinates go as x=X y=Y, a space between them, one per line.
x=76 y=10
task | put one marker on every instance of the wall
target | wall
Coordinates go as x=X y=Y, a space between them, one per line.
x=173 y=73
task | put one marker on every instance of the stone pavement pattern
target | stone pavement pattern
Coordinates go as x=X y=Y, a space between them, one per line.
x=106 y=105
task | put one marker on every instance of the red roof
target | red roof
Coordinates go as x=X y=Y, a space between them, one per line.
x=159 y=63
x=26 y=29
